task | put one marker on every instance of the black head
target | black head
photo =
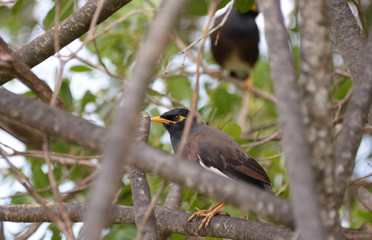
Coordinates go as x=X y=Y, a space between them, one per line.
x=174 y=121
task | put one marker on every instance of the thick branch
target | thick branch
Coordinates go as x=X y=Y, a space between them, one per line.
x=347 y=141
x=296 y=147
x=167 y=221
x=316 y=69
x=49 y=120
x=140 y=189
x=346 y=35
x=29 y=136
x=38 y=115
x=10 y=63
x=120 y=140
x=70 y=29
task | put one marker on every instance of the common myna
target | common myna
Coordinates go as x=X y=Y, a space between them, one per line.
x=235 y=45
x=214 y=150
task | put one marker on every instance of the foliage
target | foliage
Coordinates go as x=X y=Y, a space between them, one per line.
x=220 y=102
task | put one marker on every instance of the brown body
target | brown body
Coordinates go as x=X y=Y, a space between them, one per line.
x=213 y=148
x=235 y=45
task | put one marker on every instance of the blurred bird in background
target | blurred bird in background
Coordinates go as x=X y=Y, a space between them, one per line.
x=235 y=45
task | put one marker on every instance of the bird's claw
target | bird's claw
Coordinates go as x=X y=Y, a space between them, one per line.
x=207 y=215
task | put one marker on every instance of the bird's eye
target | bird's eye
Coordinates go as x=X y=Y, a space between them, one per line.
x=176 y=118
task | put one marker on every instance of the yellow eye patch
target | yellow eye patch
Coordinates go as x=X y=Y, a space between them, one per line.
x=166 y=121
x=181 y=118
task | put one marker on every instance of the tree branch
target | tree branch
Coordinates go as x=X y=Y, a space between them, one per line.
x=70 y=29
x=10 y=63
x=39 y=115
x=140 y=190
x=347 y=141
x=296 y=147
x=50 y=120
x=167 y=221
x=120 y=139
x=346 y=35
x=29 y=136
x=316 y=75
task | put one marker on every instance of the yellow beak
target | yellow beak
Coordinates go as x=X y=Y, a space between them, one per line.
x=161 y=120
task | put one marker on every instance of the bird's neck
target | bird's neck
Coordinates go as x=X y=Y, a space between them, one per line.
x=176 y=136
x=175 y=140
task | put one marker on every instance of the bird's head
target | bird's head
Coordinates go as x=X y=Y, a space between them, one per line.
x=174 y=120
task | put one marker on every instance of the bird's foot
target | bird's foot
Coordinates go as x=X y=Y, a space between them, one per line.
x=247 y=85
x=208 y=214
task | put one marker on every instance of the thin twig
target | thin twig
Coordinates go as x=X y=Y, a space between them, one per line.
x=65 y=159
x=274 y=136
x=31 y=229
x=150 y=210
x=173 y=100
x=202 y=38
x=2 y=4
x=340 y=105
x=31 y=190
x=361 y=17
x=66 y=224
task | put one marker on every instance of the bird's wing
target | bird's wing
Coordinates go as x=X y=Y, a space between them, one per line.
x=216 y=149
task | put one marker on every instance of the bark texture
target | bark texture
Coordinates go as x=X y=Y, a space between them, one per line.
x=296 y=147
x=346 y=35
x=140 y=189
x=316 y=70
x=10 y=63
x=167 y=220
x=347 y=141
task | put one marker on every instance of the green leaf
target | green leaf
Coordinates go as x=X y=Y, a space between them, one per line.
x=343 y=88
x=17 y=6
x=39 y=178
x=179 y=87
x=244 y=6
x=261 y=75
x=80 y=68
x=87 y=98
x=67 y=8
x=233 y=130
x=197 y=7
x=200 y=7
x=223 y=101
x=121 y=232
x=223 y=4
x=65 y=93
x=56 y=233
x=22 y=200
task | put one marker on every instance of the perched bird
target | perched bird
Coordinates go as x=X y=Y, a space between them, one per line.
x=235 y=45
x=214 y=150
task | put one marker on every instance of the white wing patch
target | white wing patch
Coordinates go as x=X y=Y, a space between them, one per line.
x=211 y=169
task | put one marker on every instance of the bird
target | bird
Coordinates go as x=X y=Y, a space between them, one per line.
x=234 y=45
x=214 y=150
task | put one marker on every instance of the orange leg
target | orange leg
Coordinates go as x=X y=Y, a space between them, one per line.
x=248 y=83
x=208 y=214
